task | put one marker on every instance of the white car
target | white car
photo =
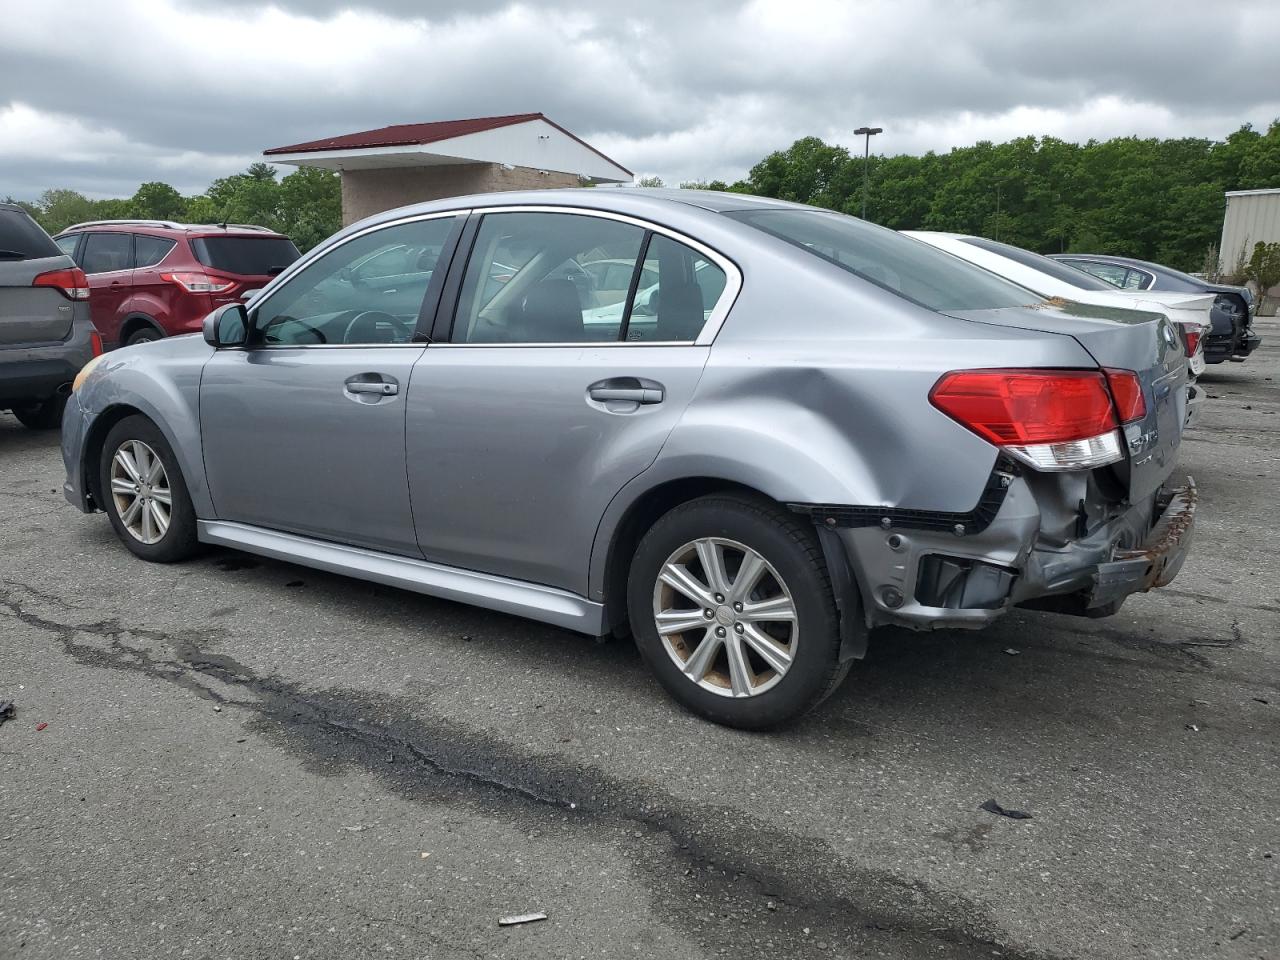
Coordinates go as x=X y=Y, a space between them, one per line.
x=1049 y=278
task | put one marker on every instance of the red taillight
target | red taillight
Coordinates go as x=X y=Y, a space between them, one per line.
x=72 y=283
x=1027 y=406
x=1048 y=419
x=1191 y=334
x=95 y=343
x=198 y=282
x=1126 y=390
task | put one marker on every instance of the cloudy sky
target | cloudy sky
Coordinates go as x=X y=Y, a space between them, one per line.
x=100 y=95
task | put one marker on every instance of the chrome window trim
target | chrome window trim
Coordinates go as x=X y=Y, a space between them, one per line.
x=273 y=286
x=710 y=328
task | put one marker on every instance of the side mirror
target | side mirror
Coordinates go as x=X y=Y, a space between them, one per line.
x=228 y=326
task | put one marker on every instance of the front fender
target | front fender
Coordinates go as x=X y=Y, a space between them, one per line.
x=161 y=380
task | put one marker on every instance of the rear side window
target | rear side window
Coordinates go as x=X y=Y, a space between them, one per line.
x=913 y=270
x=1055 y=269
x=148 y=251
x=107 y=252
x=680 y=298
x=246 y=256
x=21 y=238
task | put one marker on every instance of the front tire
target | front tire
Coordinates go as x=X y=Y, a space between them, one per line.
x=144 y=493
x=42 y=416
x=731 y=606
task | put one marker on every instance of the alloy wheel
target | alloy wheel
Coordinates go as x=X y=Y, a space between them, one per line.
x=725 y=617
x=140 y=490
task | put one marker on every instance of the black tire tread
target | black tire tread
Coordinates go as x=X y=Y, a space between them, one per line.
x=803 y=537
x=182 y=541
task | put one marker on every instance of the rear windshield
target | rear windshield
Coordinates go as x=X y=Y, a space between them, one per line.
x=22 y=239
x=247 y=256
x=1059 y=271
x=913 y=270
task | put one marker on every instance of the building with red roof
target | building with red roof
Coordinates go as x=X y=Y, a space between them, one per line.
x=411 y=162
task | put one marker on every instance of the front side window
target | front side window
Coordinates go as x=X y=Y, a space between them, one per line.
x=107 y=253
x=368 y=290
x=526 y=282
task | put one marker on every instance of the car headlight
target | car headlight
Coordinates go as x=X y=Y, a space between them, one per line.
x=85 y=371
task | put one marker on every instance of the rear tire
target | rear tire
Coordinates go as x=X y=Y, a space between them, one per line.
x=145 y=335
x=135 y=489
x=773 y=627
x=42 y=416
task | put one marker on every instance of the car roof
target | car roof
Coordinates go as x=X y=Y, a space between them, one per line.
x=624 y=200
x=168 y=228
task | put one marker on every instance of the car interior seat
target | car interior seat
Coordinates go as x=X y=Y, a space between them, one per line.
x=551 y=313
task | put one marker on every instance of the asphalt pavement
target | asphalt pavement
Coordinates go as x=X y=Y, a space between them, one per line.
x=240 y=758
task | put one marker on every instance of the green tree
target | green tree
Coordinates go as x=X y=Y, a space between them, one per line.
x=1263 y=269
x=310 y=205
x=59 y=209
x=650 y=182
x=158 y=201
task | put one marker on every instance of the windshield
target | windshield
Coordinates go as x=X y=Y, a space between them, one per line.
x=1059 y=271
x=913 y=270
x=246 y=256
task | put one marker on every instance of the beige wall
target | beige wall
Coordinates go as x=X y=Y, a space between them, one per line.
x=366 y=192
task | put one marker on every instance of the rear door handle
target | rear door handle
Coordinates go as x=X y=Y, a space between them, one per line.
x=633 y=394
x=381 y=388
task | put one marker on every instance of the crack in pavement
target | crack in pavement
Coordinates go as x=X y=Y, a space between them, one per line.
x=733 y=863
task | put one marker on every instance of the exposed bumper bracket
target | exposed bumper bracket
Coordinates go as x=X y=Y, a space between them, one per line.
x=1158 y=559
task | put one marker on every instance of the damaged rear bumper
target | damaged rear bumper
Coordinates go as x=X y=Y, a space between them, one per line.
x=966 y=577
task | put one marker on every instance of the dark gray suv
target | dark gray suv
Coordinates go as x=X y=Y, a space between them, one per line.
x=46 y=334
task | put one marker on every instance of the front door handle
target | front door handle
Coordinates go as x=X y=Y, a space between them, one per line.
x=633 y=394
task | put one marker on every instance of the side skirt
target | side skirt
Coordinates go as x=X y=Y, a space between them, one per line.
x=559 y=608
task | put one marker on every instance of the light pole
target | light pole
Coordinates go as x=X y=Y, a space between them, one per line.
x=867 y=132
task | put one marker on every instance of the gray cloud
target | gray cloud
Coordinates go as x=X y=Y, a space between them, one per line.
x=185 y=90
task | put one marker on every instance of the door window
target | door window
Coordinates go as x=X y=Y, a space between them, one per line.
x=107 y=252
x=368 y=290
x=526 y=283
x=568 y=278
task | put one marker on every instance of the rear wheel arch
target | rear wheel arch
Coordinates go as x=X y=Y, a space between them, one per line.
x=638 y=517
x=136 y=322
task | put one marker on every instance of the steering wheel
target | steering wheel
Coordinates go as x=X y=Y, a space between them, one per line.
x=280 y=320
x=369 y=326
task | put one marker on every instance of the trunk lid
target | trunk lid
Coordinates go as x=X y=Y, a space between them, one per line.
x=32 y=314
x=1145 y=343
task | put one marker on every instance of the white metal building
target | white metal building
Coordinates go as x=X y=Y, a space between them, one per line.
x=1253 y=216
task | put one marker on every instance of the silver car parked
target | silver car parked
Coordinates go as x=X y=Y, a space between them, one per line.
x=813 y=426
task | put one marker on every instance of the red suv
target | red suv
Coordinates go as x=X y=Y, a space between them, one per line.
x=154 y=278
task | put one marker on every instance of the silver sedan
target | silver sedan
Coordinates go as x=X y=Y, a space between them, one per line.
x=788 y=428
